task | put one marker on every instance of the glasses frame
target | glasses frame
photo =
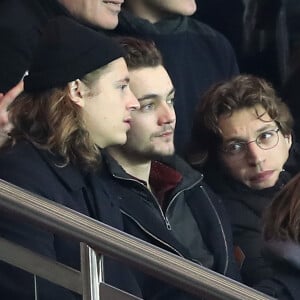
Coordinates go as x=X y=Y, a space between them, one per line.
x=244 y=145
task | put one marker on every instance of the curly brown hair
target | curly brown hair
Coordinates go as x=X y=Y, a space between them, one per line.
x=224 y=98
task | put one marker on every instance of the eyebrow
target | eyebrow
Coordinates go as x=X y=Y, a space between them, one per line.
x=153 y=96
x=126 y=79
x=258 y=131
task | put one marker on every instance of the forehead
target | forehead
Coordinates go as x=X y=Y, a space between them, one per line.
x=244 y=122
x=150 y=80
x=117 y=66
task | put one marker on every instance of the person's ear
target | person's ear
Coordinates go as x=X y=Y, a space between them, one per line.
x=289 y=140
x=76 y=92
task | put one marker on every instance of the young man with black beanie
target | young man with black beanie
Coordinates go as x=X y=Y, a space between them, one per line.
x=21 y=24
x=76 y=101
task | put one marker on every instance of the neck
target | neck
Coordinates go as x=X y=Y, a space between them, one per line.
x=134 y=166
x=144 y=11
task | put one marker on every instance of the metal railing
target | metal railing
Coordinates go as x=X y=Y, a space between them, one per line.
x=118 y=245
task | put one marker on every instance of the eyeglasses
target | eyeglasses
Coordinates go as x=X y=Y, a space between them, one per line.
x=265 y=140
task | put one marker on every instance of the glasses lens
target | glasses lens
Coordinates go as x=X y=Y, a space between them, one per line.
x=268 y=139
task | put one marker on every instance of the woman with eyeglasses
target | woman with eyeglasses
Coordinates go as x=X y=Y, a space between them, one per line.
x=242 y=141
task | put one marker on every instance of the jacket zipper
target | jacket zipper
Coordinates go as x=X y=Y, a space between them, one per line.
x=150 y=234
x=181 y=191
x=214 y=209
x=164 y=217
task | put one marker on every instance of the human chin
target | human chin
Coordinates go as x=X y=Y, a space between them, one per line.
x=122 y=138
x=188 y=9
x=107 y=22
x=108 y=17
x=166 y=149
x=114 y=139
x=264 y=184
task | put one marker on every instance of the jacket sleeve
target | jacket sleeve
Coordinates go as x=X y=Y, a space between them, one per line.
x=254 y=267
x=275 y=288
x=16 y=284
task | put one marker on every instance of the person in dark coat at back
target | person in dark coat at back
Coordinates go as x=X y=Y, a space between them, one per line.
x=76 y=101
x=21 y=23
x=242 y=141
x=282 y=243
x=162 y=199
x=195 y=55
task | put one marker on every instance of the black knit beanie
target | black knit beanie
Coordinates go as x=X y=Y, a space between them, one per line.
x=68 y=50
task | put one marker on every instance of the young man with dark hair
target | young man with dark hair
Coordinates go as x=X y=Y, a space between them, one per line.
x=242 y=141
x=162 y=199
x=195 y=55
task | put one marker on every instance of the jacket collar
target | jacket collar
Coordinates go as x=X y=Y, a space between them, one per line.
x=135 y=25
x=69 y=175
x=163 y=179
x=54 y=8
x=186 y=175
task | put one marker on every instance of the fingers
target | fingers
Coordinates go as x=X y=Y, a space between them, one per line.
x=5 y=100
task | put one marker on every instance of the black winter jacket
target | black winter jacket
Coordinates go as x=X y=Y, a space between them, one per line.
x=36 y=171
x=284 y=256
x=195 y=56
x=144 y=218
x=21 y=23
x=245 y=207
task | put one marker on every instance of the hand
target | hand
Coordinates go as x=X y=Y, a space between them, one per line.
x=5 y=100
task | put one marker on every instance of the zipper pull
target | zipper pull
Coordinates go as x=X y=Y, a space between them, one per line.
x=168 y=224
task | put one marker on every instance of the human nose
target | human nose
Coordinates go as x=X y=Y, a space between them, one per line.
x=254 y=154
x=132 y=101
x=166 y=114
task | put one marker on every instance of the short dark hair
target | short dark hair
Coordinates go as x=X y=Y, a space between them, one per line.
x=226 y=97
x=140 y=53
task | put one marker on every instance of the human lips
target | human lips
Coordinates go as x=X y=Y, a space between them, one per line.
x=128 y=121
x=262 y=176
x=165 y=133
x=115 y=5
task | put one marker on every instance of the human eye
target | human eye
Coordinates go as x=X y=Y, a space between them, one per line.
x=147 y=106
x=233 y=147
x=266 y=136
x=123 y=86
x=171 y=101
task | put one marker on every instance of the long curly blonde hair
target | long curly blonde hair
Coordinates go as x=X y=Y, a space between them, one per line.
x=51 y=121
